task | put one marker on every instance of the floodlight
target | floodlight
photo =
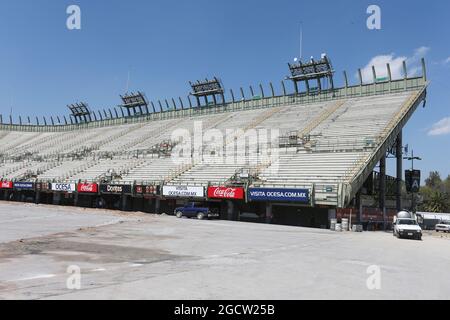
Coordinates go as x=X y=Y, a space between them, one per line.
x=80 y=112
x=312 y=70
x=134 y=101
x=207 y=88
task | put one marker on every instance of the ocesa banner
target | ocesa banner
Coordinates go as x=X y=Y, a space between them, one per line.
x=283 y=195
x=226 y=193
x=87 y=188
x=24 y=185
x=6 y=185
x=183 y=191
x=64 y=187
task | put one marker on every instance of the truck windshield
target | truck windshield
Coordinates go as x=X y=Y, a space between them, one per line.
x=407 y=222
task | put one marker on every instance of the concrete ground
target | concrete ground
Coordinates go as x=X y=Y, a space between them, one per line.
x=138 y=256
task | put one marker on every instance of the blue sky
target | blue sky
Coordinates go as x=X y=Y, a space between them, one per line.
x=164 y=44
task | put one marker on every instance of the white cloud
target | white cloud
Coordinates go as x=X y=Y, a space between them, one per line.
x=447 y=61
x=440 y=128
x=396 y=63
x=421 y=52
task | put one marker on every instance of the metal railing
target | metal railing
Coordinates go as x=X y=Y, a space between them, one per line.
x=268 y=102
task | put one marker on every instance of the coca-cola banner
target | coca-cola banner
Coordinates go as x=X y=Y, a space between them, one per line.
x=226 y=193
x=6 y=185
x=87 y=188
x=183 y=191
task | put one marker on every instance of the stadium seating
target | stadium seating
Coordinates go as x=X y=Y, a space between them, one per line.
x=335 y=138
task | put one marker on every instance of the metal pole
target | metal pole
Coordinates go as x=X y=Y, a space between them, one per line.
x=412 y=192
x=399 y=153
x=382 y=188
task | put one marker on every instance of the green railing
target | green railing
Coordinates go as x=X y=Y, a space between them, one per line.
x=268 y=102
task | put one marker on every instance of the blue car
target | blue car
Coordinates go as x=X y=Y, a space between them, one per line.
x=190 y=210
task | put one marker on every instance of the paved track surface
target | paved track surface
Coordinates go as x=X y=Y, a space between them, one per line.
x=139 y=256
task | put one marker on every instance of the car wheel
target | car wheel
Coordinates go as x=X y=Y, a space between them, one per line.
x=200 y=216
x=179 y=214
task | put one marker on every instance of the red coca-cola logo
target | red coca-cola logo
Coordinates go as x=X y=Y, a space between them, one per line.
x=226 y=193
x=88 y=187
x=6 y=185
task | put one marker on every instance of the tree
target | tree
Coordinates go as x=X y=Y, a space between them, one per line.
x=436 y=194
x=437 y=202
x=434 y=181
x=446 y=184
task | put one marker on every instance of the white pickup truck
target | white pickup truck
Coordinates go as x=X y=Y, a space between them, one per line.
x=407 y=228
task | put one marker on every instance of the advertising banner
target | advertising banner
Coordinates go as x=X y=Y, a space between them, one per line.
x=226 y=193
x=43 y=186
x=145 y=190
x=183 y=191
x=24 y=185
x=282 y=195
x=413 y=179
x=6 y=185
x=116 y=188
x=87 y=188
x=64 y=187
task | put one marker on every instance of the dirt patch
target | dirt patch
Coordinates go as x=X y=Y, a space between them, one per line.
x=91 y=244
x=67 y=250
x=441 y=235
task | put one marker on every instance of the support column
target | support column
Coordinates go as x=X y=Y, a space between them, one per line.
x=150 y=204
x=56 y=198
x=75 y=200
x=382 y=187
x=124 y=202
x=230 y=210
x=269 y=214
x=37 y=197
x=399 y=152
x=358 y=205
x=157 y=205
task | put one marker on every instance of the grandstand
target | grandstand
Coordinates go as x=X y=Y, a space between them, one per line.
x=327 y=144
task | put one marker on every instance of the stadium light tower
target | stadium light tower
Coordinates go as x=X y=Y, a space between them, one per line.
x=80 y=112
x=311 y=70
x=134 y=101
x=207 y=88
